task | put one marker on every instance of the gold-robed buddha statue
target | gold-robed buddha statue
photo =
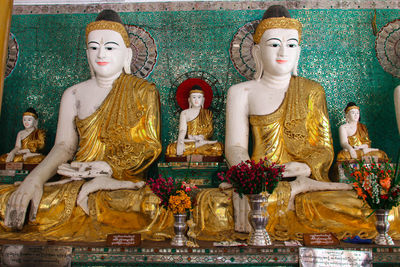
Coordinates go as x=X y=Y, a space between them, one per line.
x=115 y=132
x=29 y=143
x=354 y=139
x=195 y=128
x=290 y=125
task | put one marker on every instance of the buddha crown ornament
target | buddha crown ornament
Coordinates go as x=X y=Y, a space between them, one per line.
x=276 y=17
x=109 y=20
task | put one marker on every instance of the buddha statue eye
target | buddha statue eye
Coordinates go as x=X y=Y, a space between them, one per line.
x=92 y=48
x=292 y=45
x=274 y=45
x=109 y=48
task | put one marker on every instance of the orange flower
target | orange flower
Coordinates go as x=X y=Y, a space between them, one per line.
x=180 y=203
x=385 y=183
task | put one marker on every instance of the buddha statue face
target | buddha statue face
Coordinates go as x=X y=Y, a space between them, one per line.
x=107 y=53
x=29 y=121
x=277 y=53
x=353 y=115
x=196 y=100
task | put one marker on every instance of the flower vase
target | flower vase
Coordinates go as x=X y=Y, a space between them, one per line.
x=258 y=219
x=179 y=239
x=382 y=226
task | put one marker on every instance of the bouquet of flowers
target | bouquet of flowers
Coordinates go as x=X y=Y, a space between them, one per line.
x=376 y=183
x=175 y=195
x=253 y=178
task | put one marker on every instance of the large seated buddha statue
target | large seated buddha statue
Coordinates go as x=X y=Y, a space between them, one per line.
x=195 y=130
x=354 y=138
x=29 y=142
x=109 y=126
x=289 y=122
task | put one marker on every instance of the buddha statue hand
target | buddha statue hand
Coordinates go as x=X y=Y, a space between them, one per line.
x=196 y=138
x=103 y=183
x=80 y=170
x=353 y=153
x=224 y=186
x=23 y=151
x=10 y=156
x=31 y=190
x=180 y=147
x=295 y=169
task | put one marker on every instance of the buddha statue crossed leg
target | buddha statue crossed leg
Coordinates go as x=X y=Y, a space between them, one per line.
x=290 y=126
x=112 y=123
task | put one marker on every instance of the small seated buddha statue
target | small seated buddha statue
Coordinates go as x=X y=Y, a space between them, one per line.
x=29 y=142
x=195 y=130
x=354 y=138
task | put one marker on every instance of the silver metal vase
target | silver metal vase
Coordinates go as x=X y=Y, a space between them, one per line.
x=258 y=219
x=179 y=239
x=382 y=226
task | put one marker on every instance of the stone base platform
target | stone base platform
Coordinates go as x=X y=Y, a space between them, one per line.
x=161 y=253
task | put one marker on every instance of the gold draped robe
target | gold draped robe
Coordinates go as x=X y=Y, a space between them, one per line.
x=201 y=125
x=35 y=142
x=298 y=131
x=124 y=132
x=359 y=138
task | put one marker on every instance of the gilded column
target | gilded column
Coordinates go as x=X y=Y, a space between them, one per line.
x=5 y=21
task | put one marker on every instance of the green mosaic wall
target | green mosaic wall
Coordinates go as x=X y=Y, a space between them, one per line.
x=337 y=51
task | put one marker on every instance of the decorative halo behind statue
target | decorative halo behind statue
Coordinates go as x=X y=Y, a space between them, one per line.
x=12 y=54
x=240 y=49
x=212 y=90
x=182 y=93
x=144 y=51
x=387 y=47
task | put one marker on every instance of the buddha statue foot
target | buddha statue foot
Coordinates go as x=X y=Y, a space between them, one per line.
x=304 y=184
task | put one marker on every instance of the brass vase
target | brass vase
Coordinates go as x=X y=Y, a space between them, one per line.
x=382 y=226
x=179 y=239
x=258 y=219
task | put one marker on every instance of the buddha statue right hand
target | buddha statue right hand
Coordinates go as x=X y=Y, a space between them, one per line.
x=11 y=155
x=30 y=190
x=80 y=170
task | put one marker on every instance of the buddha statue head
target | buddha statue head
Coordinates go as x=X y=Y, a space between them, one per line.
x=277 y=43
x=352 y=112
x=108 y=46
x=30 y=118
x=196 y=97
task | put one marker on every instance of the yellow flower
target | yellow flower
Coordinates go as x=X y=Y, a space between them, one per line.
x=180 y=203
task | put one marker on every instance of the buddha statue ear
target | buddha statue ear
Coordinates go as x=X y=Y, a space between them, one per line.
x=128 y=60
x=256 y=52
x=296 y=64
x=92 y=75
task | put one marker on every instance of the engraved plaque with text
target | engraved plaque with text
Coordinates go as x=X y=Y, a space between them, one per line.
x=22 y=255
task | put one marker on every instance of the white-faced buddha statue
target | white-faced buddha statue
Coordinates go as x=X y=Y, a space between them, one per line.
x=290 y=126
x=195 y=130
x=29 y=142
x=354 y=139
x=109 y=126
